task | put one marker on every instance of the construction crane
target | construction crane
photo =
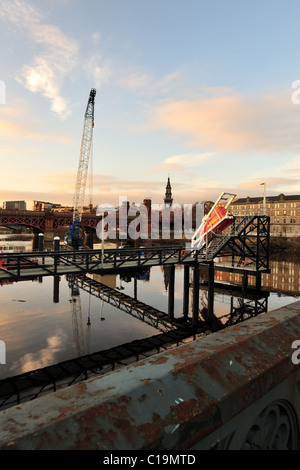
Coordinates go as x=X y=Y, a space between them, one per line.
x=73 y=238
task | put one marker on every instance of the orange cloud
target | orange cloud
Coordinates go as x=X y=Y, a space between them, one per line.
x=232 y=123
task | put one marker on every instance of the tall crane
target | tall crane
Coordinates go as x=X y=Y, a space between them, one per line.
x=73 y=238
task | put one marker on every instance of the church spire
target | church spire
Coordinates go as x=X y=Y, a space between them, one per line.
x=168 y=196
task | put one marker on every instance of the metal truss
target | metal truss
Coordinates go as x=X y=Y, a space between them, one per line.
x=246 y=243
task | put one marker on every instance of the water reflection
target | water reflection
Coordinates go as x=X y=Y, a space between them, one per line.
x=48 y=320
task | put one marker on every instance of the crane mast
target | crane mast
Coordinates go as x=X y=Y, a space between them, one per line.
x=74 y=238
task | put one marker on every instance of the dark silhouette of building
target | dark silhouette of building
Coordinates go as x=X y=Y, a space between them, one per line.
x=168 y=196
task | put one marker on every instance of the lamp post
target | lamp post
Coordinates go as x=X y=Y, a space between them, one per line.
x=264 y=200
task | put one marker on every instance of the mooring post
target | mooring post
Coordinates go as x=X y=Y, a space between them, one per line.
x=41 y=242
x=41 y=245
x=196 y=288
x=56 y=243
x=171 y=293
x=211 y=282
x=186 y=289
x=56 y=248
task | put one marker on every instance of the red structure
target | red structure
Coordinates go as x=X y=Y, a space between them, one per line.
x=45 y=221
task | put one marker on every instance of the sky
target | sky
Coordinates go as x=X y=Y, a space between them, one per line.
x=206 y=92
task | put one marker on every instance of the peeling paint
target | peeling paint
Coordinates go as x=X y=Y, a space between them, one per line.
x=170 y=401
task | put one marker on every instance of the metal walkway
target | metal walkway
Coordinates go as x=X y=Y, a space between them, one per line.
x=144 y=312
x=247 y=240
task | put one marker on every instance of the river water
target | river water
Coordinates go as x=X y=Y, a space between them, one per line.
x=38 y=331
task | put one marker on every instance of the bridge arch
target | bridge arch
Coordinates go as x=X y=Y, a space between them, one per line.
x=31 y=219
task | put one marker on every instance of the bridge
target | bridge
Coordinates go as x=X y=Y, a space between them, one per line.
x=45 y=221
x=245 y=246
x=246 y=243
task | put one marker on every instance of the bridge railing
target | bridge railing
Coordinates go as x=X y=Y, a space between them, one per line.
x=53 y=262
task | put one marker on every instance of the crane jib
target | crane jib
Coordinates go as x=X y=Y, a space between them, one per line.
x=74 y=237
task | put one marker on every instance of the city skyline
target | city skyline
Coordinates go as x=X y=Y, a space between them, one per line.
x=203 y=92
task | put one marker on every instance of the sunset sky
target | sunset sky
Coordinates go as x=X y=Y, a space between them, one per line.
x=198 y=90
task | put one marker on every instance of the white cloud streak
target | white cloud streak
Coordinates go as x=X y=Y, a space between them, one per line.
x=51 y=64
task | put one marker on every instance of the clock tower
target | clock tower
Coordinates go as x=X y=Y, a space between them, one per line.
x=168 y=196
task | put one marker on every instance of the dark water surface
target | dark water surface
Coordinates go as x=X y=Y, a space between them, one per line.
x=38 y=332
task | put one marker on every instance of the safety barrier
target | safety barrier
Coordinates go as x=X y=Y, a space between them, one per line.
x=238 y=388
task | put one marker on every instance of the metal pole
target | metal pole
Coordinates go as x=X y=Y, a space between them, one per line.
x=102 y=235
x=171 y=293
x=196 y=287
x=211 y=273
x=186 y=289
x=264 y=200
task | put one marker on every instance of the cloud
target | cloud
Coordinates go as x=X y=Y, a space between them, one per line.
x=232 y=122
x=44 y=357
x=96 y=68
x=14 y=131
x=271 y=182
x=53 y=63
x=182 y=162
x=292 y=166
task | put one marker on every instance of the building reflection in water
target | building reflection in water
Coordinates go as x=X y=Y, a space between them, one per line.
x=284 y=278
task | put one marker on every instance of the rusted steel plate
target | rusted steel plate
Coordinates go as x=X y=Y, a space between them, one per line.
x=169 y=401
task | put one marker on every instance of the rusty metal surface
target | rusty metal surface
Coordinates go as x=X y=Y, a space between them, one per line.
x=169 y=401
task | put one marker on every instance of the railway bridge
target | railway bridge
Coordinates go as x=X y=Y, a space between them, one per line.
x=45 y=221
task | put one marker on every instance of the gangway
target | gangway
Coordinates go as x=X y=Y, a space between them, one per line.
x=217 y=220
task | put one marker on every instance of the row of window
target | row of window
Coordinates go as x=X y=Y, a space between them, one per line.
x=292 y=212
x=285 y=221
x=277 y=229
x=281 y=205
